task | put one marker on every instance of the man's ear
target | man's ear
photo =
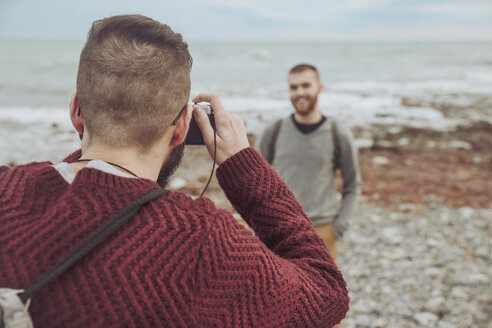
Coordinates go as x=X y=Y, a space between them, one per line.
x=76 y=114
x=182 y=126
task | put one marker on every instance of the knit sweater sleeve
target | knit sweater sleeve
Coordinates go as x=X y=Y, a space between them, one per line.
x=283 y=275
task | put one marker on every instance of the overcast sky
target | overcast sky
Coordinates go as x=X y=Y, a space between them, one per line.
x=260 y=19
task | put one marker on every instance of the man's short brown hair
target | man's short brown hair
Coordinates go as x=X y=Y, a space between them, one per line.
x=133 y=79
x=303 y=67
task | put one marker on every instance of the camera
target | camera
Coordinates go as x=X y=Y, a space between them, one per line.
x=194 y=136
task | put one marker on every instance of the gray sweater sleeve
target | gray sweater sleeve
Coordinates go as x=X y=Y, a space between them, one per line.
x=349 y=165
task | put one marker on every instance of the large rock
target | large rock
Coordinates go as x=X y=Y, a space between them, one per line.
x=437 y=305
x=426 y=319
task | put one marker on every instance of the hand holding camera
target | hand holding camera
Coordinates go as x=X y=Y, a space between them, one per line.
x=194 y=135
x=231 y=133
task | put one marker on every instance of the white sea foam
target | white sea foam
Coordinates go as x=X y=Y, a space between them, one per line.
x=480 y=76
x=35 y=115
x=35 y=134
x=353 y=109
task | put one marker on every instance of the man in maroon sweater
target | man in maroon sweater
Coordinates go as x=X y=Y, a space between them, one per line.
x=178 y=262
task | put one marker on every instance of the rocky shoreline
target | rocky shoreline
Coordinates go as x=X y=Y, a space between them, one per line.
x=399 y=165
x=409 y=165
x=418 y=253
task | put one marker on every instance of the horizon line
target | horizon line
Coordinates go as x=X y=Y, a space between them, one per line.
x=279 y=40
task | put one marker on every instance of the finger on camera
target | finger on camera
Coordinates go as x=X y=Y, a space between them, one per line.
x=220 y=113
x=211 y=98
x=201 y=119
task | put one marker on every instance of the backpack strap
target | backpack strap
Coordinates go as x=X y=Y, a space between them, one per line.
x=273 y=141
x=96 y=238
x=336 y=145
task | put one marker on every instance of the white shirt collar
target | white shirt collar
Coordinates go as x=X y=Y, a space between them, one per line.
x=68 y=173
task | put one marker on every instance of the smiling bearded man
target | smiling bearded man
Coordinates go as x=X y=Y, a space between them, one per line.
x=307 y=148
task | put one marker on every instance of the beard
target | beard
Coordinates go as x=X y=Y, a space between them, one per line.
x=306 y=104
x=170 y=166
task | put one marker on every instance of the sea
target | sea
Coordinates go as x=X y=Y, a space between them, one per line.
x=431 y=85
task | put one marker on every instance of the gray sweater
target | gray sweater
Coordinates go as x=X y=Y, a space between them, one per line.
x=305 y=162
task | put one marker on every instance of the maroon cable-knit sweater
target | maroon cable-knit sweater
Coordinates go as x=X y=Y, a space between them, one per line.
x=178 y=263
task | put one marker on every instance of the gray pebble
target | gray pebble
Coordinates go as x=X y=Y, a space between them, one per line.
x=426 y=319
